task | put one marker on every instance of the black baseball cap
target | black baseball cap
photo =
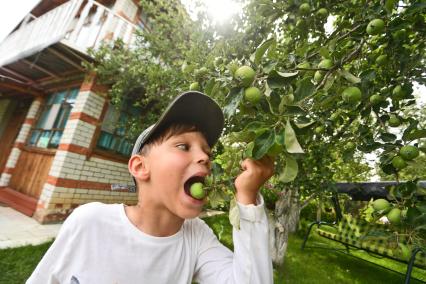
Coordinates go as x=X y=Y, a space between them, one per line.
x=192 y=108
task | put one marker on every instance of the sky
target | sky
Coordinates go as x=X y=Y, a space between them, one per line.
x=11 y=13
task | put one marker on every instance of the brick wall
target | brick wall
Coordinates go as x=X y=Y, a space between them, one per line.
x=76 y=176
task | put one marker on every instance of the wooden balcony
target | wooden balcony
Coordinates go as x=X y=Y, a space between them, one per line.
x=77 y=24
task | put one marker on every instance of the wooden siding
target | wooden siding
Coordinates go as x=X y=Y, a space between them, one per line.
x=13 y=124
x=31 y=172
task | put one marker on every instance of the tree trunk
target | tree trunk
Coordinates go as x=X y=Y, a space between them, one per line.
x=319 y=207
x=284 y=221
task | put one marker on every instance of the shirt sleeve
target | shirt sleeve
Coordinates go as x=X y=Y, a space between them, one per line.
x=55 y=264
x=251 y=261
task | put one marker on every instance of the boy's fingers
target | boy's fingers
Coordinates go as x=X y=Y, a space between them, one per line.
x=268 y=160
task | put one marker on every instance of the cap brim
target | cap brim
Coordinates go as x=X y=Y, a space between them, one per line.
x=190 y=108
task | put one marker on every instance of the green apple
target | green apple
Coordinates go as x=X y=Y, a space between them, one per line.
x=409 y=152
x=350 y=146
x=304 y=9
x=398 y=93
x=376 y=99
x=319 y=129
x=394 y=216
x=394 y=121
x=381 y=60
x=352 y=95
x=375 y=27
x=194 y=86
x=400 y=35
x=197 y=190
x=318 y=76
x=398 y=162
x=304 y=64
x=253 y=95
x=325 y=63
x=381 y=205
x=246 y=75
x=322 y=13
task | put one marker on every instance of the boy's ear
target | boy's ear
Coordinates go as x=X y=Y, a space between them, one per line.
x=138 y=167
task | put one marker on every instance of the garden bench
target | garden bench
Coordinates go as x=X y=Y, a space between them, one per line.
x=356 y=233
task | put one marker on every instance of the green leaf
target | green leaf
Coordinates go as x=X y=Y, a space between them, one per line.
x=416 y=134
x=324 y=52
x=249 y=150
x=388 y=137
x=269 y=66
x=268 y=90
x=287 y=74
x=276 y=81
x=242 y=136
x=389 y=5
x=263 y=143
x=291 y=143
x=234 y=214
x=209 y=87
x=285 y=101
x=234 y=98
x=290 y=170
x=303 y=125
x=260 y=51
x=304 y=89
x=294 y=110
x=348 y=76
x=215 y=198
x=329 y=82
x=253 y=126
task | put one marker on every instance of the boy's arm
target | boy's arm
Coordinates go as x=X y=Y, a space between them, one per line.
x=251 y=262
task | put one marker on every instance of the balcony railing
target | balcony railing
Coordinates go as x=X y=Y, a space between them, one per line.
x=76 y=23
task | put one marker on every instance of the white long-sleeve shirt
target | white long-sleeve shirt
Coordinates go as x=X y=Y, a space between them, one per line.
x=98 y=244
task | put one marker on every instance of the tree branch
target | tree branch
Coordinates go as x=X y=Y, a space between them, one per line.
x=307 y=200
x=350 y=57
x=338 y=39
x=310 y=69
x=349 y=32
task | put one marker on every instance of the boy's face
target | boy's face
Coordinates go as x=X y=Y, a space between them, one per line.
x=174 y=164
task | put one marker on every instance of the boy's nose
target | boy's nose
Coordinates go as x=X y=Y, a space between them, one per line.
x=203 y=157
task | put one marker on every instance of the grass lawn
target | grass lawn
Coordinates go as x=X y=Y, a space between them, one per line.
x=319 y=265
x=313 y=265
x=17 y=264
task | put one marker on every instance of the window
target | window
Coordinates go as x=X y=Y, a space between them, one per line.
x=51 y=123
x=142 y=21
x=113 y=136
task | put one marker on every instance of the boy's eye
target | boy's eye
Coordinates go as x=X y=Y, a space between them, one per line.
x=184 y=147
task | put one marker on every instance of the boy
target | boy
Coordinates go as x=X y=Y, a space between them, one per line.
x=160 y=240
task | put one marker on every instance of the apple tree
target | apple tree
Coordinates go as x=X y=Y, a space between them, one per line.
x=312 y=83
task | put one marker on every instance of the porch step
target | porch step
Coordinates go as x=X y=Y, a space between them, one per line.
x=18 y=201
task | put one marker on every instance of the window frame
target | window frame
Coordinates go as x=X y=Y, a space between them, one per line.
x=125 y=109
x=62 y=116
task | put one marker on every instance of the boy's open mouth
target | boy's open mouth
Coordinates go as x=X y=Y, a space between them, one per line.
x=190 y=182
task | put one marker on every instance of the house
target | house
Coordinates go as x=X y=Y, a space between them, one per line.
x=61 y=143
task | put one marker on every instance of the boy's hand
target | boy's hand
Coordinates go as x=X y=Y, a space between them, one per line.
x=254 y=175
